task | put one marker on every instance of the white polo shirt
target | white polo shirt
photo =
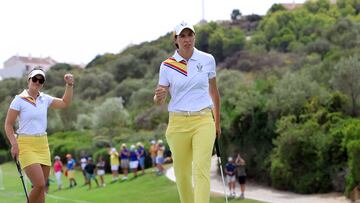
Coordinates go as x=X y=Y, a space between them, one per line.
x=188 y=81
x=32 y=114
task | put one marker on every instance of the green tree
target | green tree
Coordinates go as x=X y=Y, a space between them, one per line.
x=354 y=164
x=318 y=6
x=203 y=34
x=346 y=7
x=319 y=46
x=235 y=15
x=83 y=122
x=290 y=30
x=292 y=92
x=296 y=161
x=346 y=79
x=95 y=84
x=141 y=99
x=109 y=115
x=216 y=43
x=100 y=60
x=126 y=88
x=275 y=8
x=234 y=40
x=344 y=33
x=214 y=39
x=63 y=66
x=124 y=66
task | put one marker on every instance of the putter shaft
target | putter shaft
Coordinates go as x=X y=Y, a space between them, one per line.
x=220 y=165
x=22 y=178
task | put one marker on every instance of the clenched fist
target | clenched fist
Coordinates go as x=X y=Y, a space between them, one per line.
x=160 y=95
x=69 y=79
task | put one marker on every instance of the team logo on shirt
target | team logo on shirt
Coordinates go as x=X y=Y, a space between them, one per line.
x=178 y=66
x=199 y=67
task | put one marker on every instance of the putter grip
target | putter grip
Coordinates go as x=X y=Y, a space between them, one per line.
x=18 y=166
x=217 y=148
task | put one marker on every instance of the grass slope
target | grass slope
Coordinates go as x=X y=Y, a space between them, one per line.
x=149 y=188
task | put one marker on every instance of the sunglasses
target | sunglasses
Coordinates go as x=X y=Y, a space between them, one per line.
x=35 y=79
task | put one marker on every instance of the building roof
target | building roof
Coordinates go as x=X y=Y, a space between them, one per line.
x=36 y=60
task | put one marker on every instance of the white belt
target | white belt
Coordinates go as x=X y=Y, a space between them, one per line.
x=31 y=135
x=191 y=113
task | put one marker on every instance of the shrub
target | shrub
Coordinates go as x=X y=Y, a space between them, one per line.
x=4 y=156
x=74 y=142
x=297 y=163
x=353 y=178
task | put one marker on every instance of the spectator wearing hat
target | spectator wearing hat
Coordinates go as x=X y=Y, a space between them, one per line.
x=189 y=75
x=153 y=152
x=134 y=162
x=230 y=168
x=141 y=154
x=160 y=157
x=29 y=145
x=58 y=169
x=114 y=163
x=124 y=156
x=70 y=170
x=90 y=172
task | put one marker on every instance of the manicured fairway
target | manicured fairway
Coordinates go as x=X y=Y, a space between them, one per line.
x=149 y=188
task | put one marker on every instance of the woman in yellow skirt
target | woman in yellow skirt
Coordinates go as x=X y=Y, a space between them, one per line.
x=29 y=144
x=194 y=113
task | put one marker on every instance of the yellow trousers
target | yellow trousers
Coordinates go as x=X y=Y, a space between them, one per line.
x=191 y=140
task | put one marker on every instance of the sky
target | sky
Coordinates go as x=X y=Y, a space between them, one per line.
x=75 y=31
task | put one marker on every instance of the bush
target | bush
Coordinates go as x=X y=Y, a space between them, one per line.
x=77 y=143
x=353 y=178
x=4 y=156
x=297 y=163
x=334 y=156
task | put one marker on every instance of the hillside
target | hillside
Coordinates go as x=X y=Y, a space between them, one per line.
x=289 y=89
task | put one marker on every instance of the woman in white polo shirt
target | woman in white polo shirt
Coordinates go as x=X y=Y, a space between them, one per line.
x=29 y=145
x=194 y=113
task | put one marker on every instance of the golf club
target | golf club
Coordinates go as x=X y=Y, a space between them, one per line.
x=22 y=178
x=217 y=149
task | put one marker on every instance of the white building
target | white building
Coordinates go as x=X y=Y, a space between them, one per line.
x=18 y=66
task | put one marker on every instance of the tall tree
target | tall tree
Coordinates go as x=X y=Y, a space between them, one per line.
x=235 y=15
x=110 y=115
x=346 y=79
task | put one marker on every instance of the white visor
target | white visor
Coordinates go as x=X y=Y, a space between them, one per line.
x=36 y=72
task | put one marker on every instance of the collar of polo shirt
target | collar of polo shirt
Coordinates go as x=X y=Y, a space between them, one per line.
x=179 y=58
x=25 y=93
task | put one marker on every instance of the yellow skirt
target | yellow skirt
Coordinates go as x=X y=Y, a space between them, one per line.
x=33 y=150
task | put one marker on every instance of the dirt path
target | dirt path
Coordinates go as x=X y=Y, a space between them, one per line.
x=267 y=194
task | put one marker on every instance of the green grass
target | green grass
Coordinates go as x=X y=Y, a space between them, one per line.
x=149 y=188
